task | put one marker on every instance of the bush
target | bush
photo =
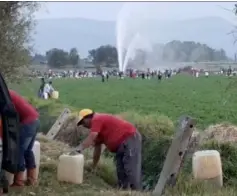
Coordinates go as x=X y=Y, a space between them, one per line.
x=150 y=126
x=153 y=157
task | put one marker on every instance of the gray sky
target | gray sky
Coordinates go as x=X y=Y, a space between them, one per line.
x=161 y=10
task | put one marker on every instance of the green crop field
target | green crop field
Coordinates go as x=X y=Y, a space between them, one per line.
x=207 y=99
x=153 y=107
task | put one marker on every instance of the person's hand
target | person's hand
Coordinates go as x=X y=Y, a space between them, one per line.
x=79 y=149
x=74 y=152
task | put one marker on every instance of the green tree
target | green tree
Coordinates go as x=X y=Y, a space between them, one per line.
x=177 y=51
x=57 y=58
x=106 y=55
x=74 y=57
x=38 y=59
x=92 y=55
x=17 y=22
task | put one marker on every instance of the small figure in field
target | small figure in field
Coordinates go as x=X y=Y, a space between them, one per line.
x=206 y=74
x=120 y=75
x=41 y=89
x=51 y=89
x=103 y=77
x=196 y=74
x=166 y=73
x=147 y=75
x=229 y=71
x=107 y=76
x=169 y=73
x=48 y=89
x=159 y=75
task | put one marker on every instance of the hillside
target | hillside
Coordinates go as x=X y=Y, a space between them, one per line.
x=86 y=34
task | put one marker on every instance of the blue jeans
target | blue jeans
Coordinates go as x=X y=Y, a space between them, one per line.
x=27 y=138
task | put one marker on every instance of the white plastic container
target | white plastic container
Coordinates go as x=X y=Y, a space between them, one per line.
x=71 y=168
x=36 y=151
x=55 y=95
x=207 y=166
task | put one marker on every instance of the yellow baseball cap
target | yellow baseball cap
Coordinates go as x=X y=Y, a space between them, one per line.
x=84 y=113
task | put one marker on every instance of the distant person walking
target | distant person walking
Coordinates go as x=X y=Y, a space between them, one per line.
x=102 y=77
x=120 y=75
x=159 y=76
x=107 y=76
x=229 y=71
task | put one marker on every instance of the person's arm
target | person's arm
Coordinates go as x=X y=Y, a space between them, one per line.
x=51 y=88
x=96 y=154
x=89 y=141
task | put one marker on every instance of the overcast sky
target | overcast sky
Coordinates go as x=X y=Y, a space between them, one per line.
x=161 y=10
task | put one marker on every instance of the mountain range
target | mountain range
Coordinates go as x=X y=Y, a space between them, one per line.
x=87 y=34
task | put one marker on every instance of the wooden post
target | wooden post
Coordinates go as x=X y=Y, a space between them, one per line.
x=58 y=124
x=175 y=155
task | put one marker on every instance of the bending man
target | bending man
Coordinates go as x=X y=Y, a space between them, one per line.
x=121 y=138
x=29 y=125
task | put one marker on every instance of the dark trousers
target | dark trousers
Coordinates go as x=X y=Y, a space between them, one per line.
x=27 y=138
x=128 y=163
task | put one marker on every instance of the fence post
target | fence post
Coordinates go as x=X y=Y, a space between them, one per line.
x=175 y=155
x=58 y=124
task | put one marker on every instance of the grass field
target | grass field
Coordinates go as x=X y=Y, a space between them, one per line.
x=206 y=99
x=209 y=100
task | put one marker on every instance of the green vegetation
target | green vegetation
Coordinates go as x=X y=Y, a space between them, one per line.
x=17 y=22
x=154 y=108
x=206 y=99
x=58 y=57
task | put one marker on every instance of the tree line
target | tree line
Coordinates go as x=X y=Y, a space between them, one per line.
x=60 y=58
x=189 y=51
x=57 y=58
x=106 y=55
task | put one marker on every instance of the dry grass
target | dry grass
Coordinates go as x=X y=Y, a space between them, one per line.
x=99 y=182
x=221 y=132
x=48 y=184
x=70 y=133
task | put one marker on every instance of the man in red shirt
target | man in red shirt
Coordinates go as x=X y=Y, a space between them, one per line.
x=121 y=138
x=29 y=125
